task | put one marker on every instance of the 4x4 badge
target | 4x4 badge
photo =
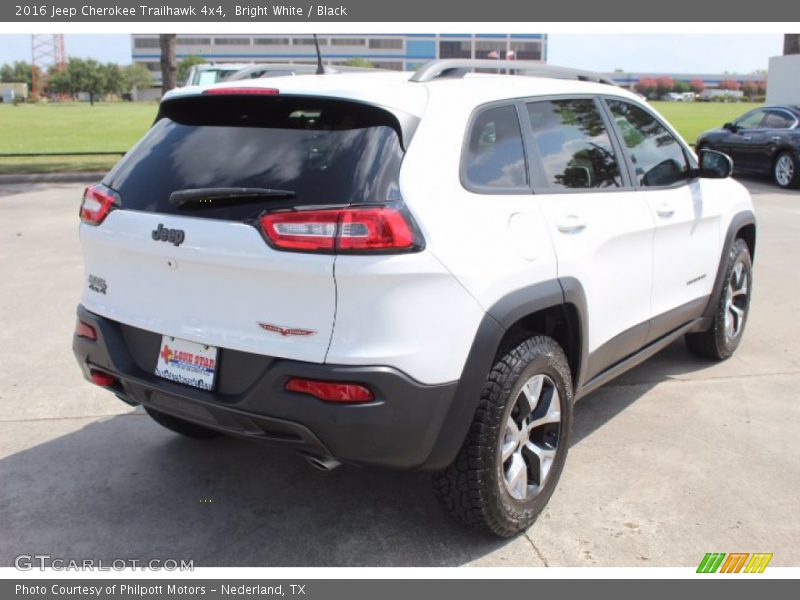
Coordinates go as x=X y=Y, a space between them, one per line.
x=284 y=331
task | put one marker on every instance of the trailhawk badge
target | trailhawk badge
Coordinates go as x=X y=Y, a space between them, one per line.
x=285 y=331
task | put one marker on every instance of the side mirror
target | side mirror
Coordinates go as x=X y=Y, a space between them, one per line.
x=730 y=127
x=714 y=165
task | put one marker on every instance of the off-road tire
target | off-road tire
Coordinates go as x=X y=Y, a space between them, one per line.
x=472 y=489
x=716 y=343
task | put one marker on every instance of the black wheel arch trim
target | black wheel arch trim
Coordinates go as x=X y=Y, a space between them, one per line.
x=738 y=222
x=499 y=318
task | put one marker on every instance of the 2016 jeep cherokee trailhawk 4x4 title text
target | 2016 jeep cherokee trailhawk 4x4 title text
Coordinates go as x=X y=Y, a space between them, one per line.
x=417 y=272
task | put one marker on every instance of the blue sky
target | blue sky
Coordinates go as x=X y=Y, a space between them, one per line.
x=692 y=53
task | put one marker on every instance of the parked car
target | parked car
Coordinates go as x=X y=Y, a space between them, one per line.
x=209 y=73
x=419 y=273
x=763 y=141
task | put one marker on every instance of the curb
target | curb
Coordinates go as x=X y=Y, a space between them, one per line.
x=72 y=177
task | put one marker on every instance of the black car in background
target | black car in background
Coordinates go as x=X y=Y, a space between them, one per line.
x=765 y=141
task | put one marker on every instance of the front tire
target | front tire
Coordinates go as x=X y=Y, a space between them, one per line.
x=786 y=171
x=181 y=426
x=512 y=458
x=733 y=306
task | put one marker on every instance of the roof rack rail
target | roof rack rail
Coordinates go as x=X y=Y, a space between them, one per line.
x=458 y=67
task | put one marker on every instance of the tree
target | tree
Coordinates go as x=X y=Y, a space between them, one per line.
x=359 y=62
x=697 y=85
x=58 y=82
x=89 y=76
x=136 y=77
x=647 y=86
x=729 y=84
x=791 y=43
x=664 y=85
x=18 y=72
x=749 y=88
x=114 y=80
x=186 y=64
x=84 y=75
x=761 y=87
x=169 y=62
x=681 y=87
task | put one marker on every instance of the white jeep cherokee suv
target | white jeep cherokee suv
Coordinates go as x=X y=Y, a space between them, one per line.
x=417 y=272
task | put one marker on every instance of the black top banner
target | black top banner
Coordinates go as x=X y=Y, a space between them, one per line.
x=400 y=11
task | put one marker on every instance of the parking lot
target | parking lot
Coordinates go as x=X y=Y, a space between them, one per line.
x=675 y=459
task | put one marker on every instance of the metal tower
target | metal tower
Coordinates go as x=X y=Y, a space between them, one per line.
x=47 y=53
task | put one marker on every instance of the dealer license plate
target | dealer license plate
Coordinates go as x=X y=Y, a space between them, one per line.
x=187 y=362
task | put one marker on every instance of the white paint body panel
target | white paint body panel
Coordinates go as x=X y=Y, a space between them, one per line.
x=611 y=256
x=223 y=280
x=406 y=311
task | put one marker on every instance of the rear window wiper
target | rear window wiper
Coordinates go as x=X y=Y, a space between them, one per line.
x=199 y=197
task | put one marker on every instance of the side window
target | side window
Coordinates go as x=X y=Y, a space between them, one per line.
x=573 y=145
x=494 y=158
x=658 y=158
x=777 y=119
x=750 y=120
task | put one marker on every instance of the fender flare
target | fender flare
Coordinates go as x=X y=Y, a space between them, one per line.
x=739 y=220
x=495 y=323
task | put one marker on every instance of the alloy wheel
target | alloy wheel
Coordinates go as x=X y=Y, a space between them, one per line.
x=530 y=441
x=784 y=170
x=736 y=300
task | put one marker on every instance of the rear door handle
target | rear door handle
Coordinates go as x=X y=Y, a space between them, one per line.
x=665 y=211
x=571 y=224
x=747 y=137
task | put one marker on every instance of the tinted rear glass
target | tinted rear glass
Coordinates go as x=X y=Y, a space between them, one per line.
x=326 y=151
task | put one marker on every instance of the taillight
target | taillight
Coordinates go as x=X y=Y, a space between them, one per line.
x=97 y=202
x=85 y=330
x=358 y=229
x=331 y=391
x=103 y=379
x=247 y=91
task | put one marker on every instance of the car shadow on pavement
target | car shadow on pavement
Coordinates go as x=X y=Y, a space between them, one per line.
x=123 y=487
x=606 y=402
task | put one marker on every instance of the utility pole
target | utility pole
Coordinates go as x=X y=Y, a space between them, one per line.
x=791 y=43
x=169 y=62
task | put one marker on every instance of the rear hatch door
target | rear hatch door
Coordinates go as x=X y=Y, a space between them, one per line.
x=201 y=270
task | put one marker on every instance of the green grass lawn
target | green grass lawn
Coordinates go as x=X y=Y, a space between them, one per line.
x=693 y=118
x=70 y=127
x=115 y=126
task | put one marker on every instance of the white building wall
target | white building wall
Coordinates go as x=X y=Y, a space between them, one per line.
x=783 y=81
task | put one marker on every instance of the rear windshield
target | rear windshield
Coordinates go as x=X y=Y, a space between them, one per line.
x=325 y=151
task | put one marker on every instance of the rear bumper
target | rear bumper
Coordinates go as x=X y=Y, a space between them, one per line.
x=403 y=428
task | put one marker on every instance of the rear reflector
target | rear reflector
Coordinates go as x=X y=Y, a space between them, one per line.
x=85 y=330
x=248 y=91
x=331 y=391
x=362 y=229
x=98 y=200
x=103 y=379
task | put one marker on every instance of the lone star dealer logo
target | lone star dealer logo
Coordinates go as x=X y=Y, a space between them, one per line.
x=735 y=562
x=187 y=360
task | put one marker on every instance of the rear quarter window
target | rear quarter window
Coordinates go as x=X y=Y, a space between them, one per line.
x=493 y=159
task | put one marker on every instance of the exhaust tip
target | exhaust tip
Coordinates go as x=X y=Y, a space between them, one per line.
x=323 y=463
